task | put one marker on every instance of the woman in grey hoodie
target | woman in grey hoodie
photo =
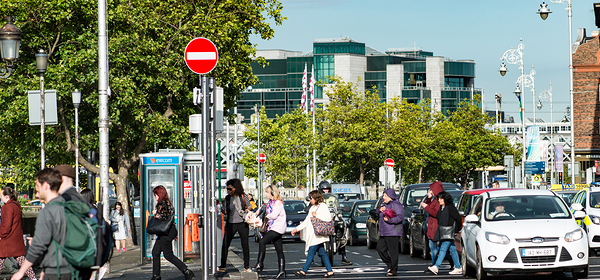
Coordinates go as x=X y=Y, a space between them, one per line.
x=391 y=215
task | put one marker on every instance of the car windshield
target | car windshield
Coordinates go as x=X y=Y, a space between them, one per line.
x=362 y=210
x=294 y=208
x=567 y=197
x=414 y=197
x=525 y=207
x=343 y=204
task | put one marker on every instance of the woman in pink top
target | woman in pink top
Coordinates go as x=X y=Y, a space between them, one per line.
x=277 y=218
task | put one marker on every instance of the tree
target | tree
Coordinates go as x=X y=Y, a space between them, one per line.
x=285 y=141
x=352 y=134
x=150 y=84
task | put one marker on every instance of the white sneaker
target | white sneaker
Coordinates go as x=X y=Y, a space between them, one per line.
x=456 y=271
x=247 y=270
x=433 y=269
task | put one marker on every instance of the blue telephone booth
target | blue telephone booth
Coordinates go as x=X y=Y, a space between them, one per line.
x=161 y=169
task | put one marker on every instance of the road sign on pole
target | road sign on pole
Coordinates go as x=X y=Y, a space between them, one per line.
x=201 y=55
x=261 y=157
x=389 y=162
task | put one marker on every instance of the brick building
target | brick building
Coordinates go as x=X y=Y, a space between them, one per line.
x=586 y=100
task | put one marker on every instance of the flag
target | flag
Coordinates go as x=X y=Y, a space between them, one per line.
x=558 y=157
x=533 y=143
x=312 y=90
x=303 y=101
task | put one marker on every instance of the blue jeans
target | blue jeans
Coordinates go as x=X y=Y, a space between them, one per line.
x=448 y=245
x=433 y=248
x=320 y=248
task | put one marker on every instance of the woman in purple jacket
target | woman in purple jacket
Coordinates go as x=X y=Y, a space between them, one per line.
x=277 y=218
x=391 y=214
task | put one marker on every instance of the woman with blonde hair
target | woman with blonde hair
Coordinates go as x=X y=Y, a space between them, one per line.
x=314 y=243
x=276 y=228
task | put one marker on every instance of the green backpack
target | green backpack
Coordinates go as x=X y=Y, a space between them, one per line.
x=79 y=247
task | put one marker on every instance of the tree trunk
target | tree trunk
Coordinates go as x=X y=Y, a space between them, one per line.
x=420 y=173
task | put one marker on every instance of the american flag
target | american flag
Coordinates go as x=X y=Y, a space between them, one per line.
x=303 y=101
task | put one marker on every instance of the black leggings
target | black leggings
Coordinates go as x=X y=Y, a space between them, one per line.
x=275 y=238
x=230 y=230
x=164 y=244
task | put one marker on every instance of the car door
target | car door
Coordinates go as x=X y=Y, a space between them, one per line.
x=463 y=209
x=372 y=223
x=471 y=230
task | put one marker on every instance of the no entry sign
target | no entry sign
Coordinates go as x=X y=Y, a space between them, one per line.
x=389 y=162
x=201 y=55
x=261 y=157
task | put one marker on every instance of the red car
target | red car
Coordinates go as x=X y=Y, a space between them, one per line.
x=465 y=203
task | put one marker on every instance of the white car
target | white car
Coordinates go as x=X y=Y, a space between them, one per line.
x=523 y=231
x=588 y=200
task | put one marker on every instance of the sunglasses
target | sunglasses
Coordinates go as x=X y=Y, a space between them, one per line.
x=229 y=189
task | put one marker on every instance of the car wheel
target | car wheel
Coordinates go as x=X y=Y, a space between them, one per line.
x=425 y=252
x=350 y=238
x=370 y=243
x=403 y=246
x=581 y=275
x=330 y=249
x=411 y=247
x=481 y=274
x=465 y=266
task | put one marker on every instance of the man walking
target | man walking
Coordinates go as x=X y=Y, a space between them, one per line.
x=50 y=225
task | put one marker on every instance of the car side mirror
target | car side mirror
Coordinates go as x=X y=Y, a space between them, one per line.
x=472 y=219
x=579 y=215
x=461 y=212
x=577 y=207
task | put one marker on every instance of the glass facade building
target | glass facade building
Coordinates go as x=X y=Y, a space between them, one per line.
x=412 y=74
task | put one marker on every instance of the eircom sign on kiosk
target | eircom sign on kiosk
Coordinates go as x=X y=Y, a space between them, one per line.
x=161 y=169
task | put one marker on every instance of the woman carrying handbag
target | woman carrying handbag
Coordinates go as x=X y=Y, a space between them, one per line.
x=236 y=204
x=275 y=229
x=449 y=223
x=314 y=243
x=164 y=243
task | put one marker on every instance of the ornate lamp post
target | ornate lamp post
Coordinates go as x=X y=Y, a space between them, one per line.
x=41 y=60
x=513 y=56
x=76 y=94
x=544 y=11
x=10 y=42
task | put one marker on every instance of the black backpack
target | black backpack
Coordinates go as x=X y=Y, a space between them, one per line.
x=104 y=239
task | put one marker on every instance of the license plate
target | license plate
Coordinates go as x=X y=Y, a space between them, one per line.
x=289 y=229
x=538 y=252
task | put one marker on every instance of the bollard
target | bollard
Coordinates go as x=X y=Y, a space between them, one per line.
x=195 y=228
x=188 y=234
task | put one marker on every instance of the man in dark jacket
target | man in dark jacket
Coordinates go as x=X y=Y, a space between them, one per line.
x=391 y=215
x=432 y=207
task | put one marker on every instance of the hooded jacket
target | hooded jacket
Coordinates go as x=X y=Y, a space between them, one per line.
x=433 y=207
x=389 y=228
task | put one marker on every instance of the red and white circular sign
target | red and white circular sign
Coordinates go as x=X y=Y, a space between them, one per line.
x=389 y=162
x=261 y=157
x=187 y=185
x=201 y=55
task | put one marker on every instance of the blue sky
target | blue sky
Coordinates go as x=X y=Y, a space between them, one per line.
x=478 y=30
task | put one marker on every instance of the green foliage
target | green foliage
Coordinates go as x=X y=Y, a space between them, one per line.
x=150 y=84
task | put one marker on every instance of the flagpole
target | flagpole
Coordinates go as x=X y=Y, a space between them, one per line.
x=304 y=107
x=312 y=108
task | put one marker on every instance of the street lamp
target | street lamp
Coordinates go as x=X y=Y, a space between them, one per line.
x=41 y=60
x=513 y=56
x=76 y=94
x=498 y=97
x=544 y=12
x=10 y=42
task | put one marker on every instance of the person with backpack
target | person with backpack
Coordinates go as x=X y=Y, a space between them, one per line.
x=164 y=243
x=236 y=205
x=50 y=225
x=11 y=233
x=121 y=219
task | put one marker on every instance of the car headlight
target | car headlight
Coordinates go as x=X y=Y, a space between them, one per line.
x=361 y=225
x=594 y=219
x=497 y=238
x=574 y=235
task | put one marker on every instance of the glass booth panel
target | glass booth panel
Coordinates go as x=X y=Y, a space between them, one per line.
x=155 y=176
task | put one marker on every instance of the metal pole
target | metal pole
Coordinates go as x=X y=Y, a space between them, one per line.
x=314 y=153
x=235 y=143
x=103 y=117
x=551 y=140
x=43 y=122
x=258 y=154
x=205 y=178
x=227 y=156
x=570 y=15
x=77 y=147
x=213 y=157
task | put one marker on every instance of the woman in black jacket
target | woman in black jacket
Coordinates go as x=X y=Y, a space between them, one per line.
x=447 y=216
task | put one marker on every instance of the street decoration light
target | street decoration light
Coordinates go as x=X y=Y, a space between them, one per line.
x=546 y=96
x=544 y=11
x=76 y=95
x=41 y=60
x=10 y=42
x=515 y=56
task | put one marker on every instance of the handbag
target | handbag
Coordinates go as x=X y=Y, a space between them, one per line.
x=159 y=227
x=446 y=232
x=321 y=227
x=115 y=227
x=265 y=225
